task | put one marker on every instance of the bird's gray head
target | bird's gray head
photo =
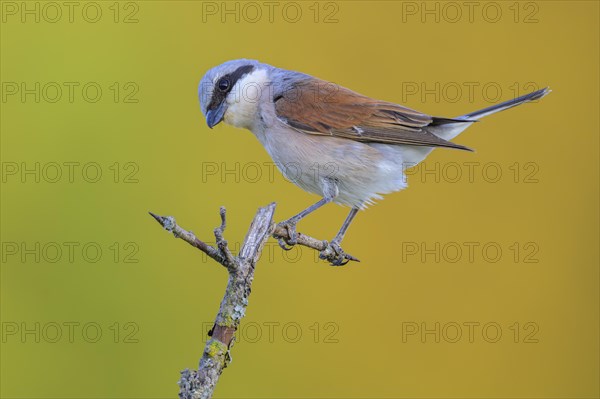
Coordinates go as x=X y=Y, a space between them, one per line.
x=221 y=89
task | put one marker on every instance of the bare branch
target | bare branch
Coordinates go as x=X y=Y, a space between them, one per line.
x=304 y=240
x=222 y=243
x=327 y=253
x=168 y=223
x=216 y=356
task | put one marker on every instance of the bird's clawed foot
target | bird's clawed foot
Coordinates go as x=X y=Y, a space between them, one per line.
x=292 y=238
x=334 y=253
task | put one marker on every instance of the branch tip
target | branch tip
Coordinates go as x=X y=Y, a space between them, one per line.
x=158 y=218
x=223 y=212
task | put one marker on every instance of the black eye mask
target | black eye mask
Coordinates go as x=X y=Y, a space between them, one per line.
x=224 y=85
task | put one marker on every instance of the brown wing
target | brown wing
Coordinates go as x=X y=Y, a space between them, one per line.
x=318 y=107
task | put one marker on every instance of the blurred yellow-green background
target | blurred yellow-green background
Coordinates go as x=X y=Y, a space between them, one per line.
x=480 y=280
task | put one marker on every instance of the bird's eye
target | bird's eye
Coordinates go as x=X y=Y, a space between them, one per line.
x=224 y=84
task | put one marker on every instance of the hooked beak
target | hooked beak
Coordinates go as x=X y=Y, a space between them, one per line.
x=215 y=116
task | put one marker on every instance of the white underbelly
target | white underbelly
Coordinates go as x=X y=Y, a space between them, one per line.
x=363 y=172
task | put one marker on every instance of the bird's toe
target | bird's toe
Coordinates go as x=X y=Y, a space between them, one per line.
x=334 y=254
x=292 y=235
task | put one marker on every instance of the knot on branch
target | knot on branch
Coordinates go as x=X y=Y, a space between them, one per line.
x=169 y=223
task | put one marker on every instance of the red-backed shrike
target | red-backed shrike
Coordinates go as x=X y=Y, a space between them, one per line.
x=328 y=140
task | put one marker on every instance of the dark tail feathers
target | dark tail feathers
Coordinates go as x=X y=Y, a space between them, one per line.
x=536 y=95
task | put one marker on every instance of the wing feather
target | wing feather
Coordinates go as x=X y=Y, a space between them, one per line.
x=318 y=107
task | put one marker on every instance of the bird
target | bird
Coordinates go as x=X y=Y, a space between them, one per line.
x=346 y=147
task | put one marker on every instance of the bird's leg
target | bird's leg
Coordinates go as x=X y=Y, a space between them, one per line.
x=334 y=252
x=340 y=235
x=290 y=224
x=330 y=191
